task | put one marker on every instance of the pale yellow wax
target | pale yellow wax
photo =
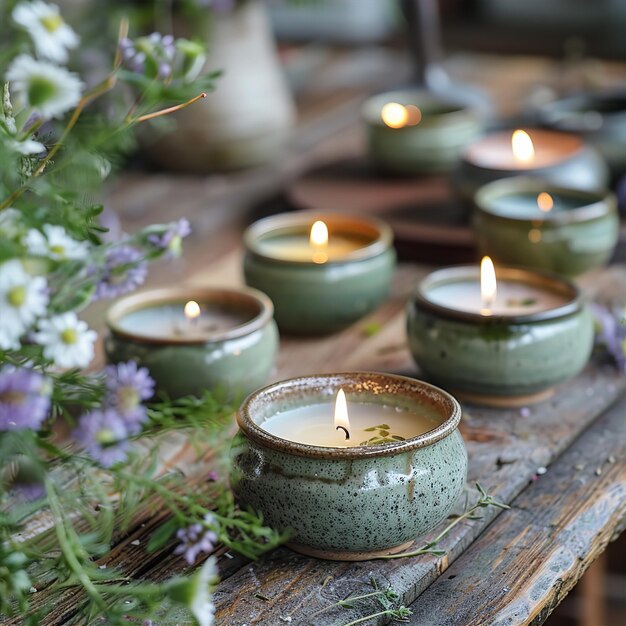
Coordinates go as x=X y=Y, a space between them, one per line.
x=298 y=247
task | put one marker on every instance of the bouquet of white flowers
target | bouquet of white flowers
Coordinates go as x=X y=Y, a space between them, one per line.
x=69 y=439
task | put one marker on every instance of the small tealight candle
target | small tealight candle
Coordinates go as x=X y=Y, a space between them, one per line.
x=192 y=340
x=558 y=158
x=415 y=132
x=529 y=222
x=322 y=272
x=499 y=335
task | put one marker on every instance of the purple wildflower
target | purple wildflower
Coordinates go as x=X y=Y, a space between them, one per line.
x=103 y=435
x=28 y=492
x=196 y=539
x=611 y=333
x=24 y=398
x=124 y=270
x=152 y=55
x=171 y=239
x=127 y=385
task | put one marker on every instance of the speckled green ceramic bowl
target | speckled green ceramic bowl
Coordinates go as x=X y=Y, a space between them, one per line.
x=577 y=234
x=432 y=145
x=320 y=298
x=561 y=159
x=499 y=360
x=350 y=503
x=233 y=360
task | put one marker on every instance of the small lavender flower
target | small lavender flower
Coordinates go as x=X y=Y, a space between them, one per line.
x=103 y=435
x=24 y=398
x=152 y=55
x=611 y=333
x=28 y=492
x=196 y=539
x=124 y=270
x=127 y=385
x=172 y=238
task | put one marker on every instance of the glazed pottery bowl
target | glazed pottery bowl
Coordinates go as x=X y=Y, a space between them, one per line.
x=431 y=138
x=233 y=361
x=562 y=159
x=499 y=360
x=576 y=232
x=350 y=503
x=320 y=298
x=598 y=116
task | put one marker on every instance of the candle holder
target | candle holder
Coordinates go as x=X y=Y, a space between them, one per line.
x=415 y=132
x=500 y=360
x=327 y=294
x=559 y=158
x=350 y=503
x=234 y=353
x=531 y=223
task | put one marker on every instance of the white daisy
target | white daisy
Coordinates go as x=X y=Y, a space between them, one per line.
x=23 y=298
x=196 y=593
x=46 y=88
x=55 y=244
x=66 y=340
x=50 y=34
x=27 y=147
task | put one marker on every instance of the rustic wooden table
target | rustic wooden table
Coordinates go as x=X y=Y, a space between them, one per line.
x=510 y=567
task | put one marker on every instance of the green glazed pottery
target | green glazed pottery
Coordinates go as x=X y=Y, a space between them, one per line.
x=502 y=360
x=559 y=158
x=350 y=503
x=599 y=116
x=316 y=298
x=234 y=358
x=431 y=138
x=574 y=232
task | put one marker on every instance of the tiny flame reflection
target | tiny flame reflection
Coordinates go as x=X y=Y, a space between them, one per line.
x=522 y=145
x=394 y=115
x=192 y=310
x=318 y=240
x=341 y=414
x=488 y=285
x=545 y=202
x=414 y=115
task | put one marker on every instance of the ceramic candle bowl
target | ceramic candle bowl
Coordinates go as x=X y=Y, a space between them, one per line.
x=350 y=503
x=319 y=298
x=599 y=117
x=499 y=360
x=232 y=360
x=427 y=134
x=575 y=234
x=560 y=158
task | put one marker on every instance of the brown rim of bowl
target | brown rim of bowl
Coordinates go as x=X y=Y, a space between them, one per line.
x=453 y=112
x=576 y=148
x=463 y=272
x=247 y=296
x=300 y=223
x=350 y=381
x=599 y=202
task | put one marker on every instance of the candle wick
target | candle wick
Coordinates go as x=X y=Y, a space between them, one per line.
x=345 y=430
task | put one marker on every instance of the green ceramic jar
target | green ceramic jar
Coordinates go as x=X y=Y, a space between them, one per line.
x=507 y=359
x=351 y=503
x=528 y=222
x=316 y=297
x=231 y=348
x=415 y=132
x=559 y=158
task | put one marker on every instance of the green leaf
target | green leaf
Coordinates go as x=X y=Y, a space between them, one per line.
x=162 y=535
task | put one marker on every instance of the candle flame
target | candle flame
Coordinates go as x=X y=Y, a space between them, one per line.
x=341 y=414
x=523 y=149
x=488 y=285
x=318 y=241
x=192 y=310
x=395 y=115
x=545 y=202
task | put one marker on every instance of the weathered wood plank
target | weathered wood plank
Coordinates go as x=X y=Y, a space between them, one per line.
x=519 y=570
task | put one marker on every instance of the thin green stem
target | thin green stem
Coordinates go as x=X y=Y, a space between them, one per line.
x=368 y=617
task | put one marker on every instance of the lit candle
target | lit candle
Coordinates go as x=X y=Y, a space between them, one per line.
x=364 y=424
x=559 y=158
x=192 y=340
